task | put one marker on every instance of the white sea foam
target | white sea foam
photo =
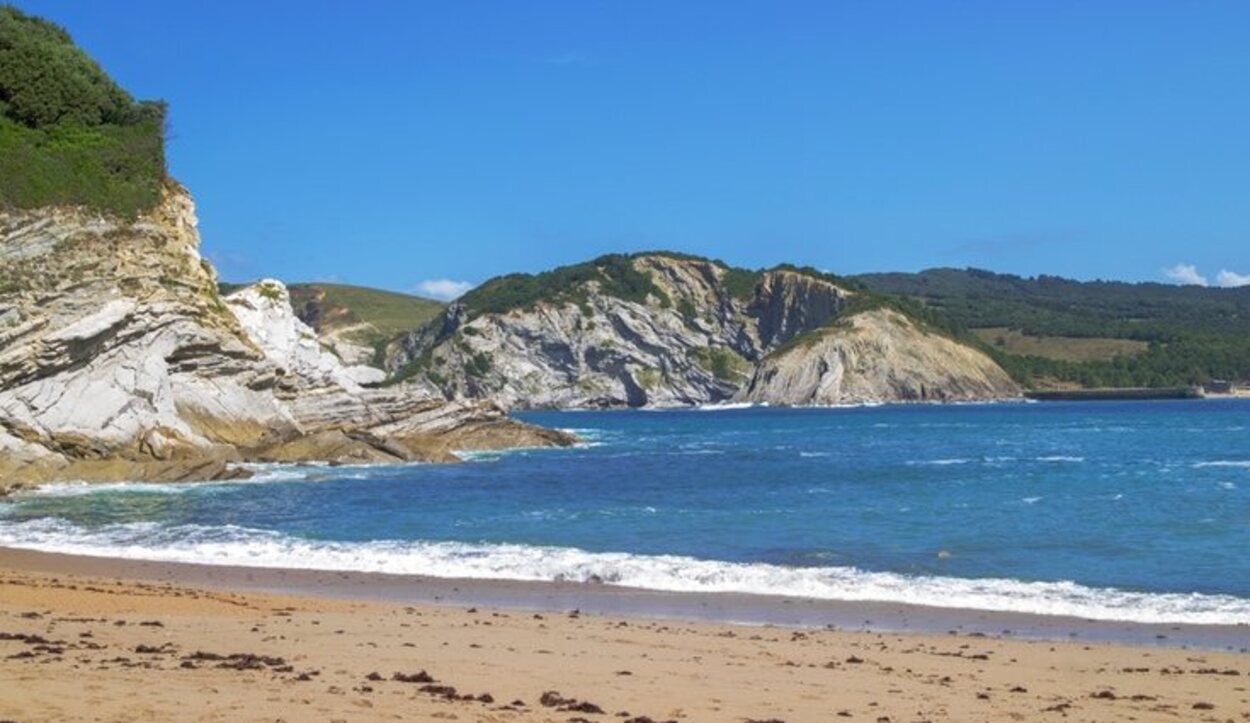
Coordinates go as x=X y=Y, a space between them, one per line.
x=78 y=489
x=232 y=545
x=726 y=406
x=940 y=462
x=1060 y=458
x=261 y=473
x=815 y=454
x=491 y=455
x=588 y=435
x=1223 y=463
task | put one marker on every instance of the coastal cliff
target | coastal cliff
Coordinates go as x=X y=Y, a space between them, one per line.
x=665 y=329
x=875 y=356
x=120 y=360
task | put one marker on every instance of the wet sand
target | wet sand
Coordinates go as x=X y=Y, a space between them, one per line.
x=100 y=639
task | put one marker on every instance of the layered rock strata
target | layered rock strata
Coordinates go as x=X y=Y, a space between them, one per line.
x=120 y=360
x=703 y=335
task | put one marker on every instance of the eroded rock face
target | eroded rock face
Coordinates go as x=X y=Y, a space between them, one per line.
x=119 y=360
x=876 y=356
x=264 y=311
x=696 y=345
x=701 y=340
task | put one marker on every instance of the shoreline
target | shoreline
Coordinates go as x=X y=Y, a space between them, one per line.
x=740 y=609
x=106 y=640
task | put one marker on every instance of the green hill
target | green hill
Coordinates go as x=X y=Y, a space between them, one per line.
x=616 y=276
x=331 y=308
x=68 y=133
x=1049 y=329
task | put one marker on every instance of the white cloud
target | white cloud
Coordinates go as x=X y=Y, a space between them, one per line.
x=445 y=289
x=1229 y=279
x=1185 y=274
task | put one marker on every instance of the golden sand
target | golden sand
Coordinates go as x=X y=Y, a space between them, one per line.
x=75 y=647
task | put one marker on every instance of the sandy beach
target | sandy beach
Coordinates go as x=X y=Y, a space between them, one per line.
x=95 y=639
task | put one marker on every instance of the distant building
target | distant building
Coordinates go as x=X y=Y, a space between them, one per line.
x=1219 y=386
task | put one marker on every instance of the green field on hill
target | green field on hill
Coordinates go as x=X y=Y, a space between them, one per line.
x=1047 y=329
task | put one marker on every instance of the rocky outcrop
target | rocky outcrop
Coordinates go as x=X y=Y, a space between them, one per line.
x=119 y=360
x=876 y=356
x=702 y=333
x=265 y=313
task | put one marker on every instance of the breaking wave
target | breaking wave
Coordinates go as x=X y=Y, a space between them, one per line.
x=241 y=546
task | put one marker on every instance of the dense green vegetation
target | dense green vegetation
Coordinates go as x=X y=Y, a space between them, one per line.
x=740 y=283
x=1195 y=334
x=1190 y=360
x=68 y=133
x=1050 y=305
x=724 y=364
x=617 y=277
x=615 y=274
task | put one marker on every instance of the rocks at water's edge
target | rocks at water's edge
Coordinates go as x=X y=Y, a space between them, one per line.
x=120 y=360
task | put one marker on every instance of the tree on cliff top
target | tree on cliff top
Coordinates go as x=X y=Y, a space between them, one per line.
x=68 y=133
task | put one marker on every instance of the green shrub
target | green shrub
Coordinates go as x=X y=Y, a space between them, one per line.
x=724 y=364
x=68 y=133
x=648 y=379
x=615 y=274
x=478 y=364
x=269 y=291
x=687 y=310
x=740 y=283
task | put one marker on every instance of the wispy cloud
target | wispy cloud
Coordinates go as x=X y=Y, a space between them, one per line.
x=444 y=289
x=1188 y=274
x=1231 y=279
x=1185 y=274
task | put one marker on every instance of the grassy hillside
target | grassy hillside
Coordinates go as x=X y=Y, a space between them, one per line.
x=1101 y=333
x=331 y=307
x=1060 y=348
x=68 y=133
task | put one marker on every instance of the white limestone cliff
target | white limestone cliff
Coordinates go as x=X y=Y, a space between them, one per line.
x=119 y=360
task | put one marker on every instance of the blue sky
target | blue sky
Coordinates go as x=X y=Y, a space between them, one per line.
x=394 y=143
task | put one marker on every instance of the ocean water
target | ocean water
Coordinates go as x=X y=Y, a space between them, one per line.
x=1135 y=511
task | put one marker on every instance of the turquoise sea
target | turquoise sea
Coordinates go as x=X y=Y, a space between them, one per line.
x=1119 y=511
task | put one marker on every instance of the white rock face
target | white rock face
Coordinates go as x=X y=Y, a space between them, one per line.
x=877 y=356
x=119 y=360
x=264 y=311
x=696 y=341
x=106 y=318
